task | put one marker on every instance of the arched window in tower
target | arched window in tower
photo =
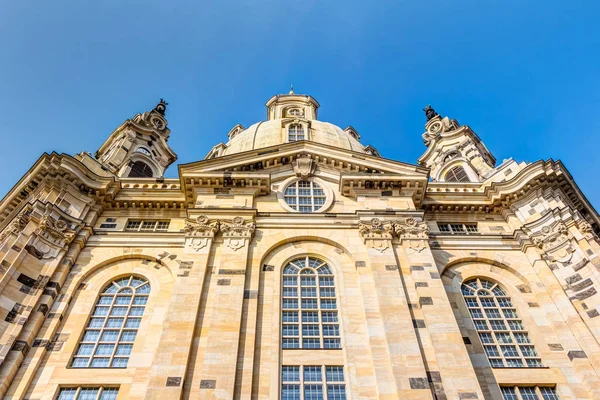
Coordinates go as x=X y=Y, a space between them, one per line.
x=456 y=174
x=309 y=307
x=503 y=336
x=111 y=330
x=140 y=169
x=295 y=133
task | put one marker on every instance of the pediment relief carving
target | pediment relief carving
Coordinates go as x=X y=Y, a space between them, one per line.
x=304 y=166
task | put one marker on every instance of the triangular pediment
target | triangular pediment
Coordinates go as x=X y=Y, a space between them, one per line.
x=357 y=173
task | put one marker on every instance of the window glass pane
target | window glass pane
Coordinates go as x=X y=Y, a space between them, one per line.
x=334 y=374
x=312 y=374
x=548 y=393
x=313 y=392
x=290 y=392
x=109 y=394
x=80 y=362
x=311 y=343
x=310 y=316
x=509 y=393
x=88 y=394
x=290 y=343
x=528 y=393
x=336 y=392
x=290 y=374
x=100 y=362
x=290 y=316
x=329 y=316
x=332 y=343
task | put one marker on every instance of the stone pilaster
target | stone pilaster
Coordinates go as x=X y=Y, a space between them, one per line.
x=171 y=359
x=450 y=373
x=398 y=363
x=220 y=336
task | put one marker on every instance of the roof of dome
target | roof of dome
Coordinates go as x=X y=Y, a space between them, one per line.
x=272 y=133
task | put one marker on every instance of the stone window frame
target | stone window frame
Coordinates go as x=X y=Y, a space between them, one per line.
x=296 y=320
x=542 y=392
x=141 y=225
x=329 y=196
x=74 y=392
x=472 y=176
x=113 y=296
x=306 y=379
x=486 y=323
x=459 y=228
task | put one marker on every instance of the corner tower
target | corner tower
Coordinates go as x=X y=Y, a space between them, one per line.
x=454 y=152
x=138 y=148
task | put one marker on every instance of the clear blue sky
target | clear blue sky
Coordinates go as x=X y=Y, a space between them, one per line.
x=523 y=74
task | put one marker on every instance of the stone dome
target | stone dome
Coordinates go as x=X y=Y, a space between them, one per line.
x=274 y=132
x=290 y=117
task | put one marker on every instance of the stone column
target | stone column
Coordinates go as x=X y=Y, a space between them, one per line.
x=398 y=364
x=171 y=358
x=221 y=332
x=449 y=368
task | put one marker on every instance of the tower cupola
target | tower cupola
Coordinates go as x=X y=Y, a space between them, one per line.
x=138 y=148
x=454 y=152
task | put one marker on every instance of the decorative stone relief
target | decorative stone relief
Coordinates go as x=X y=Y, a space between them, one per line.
x=56 y=232
x=550 y=238
x=237 y=232
x=415 y=232
x=17 y=225
x=376 y=233
x=200 y=231
x=304 y=166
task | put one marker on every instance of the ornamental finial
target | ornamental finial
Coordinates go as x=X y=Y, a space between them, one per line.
x=429 y=112
x=291 y=89
x=161 y=107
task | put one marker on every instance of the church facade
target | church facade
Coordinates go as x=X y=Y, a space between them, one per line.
x=294 y=262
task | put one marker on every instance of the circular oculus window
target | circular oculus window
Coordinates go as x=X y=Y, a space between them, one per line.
x=305 y=196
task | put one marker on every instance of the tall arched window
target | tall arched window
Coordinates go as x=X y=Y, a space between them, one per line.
x=113 y=325
x=295 y=132
x=309 y=307
x=140 y=169
x=504 y=338
x=456 y=174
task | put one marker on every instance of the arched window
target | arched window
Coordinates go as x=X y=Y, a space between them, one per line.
x=108 y=338
x=295 y=132
x=309 y=307
x=456 y=174
x=504 y=338
x=140 y=169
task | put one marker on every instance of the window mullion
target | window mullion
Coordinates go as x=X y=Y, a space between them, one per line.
x=99 y=394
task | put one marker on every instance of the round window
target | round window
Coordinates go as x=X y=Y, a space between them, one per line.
x=305 y=196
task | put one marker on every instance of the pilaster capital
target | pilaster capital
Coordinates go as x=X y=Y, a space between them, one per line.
x=238 y=228
x=17 y=225
x=410 y=228
x=375 y=229
x=201 y=227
